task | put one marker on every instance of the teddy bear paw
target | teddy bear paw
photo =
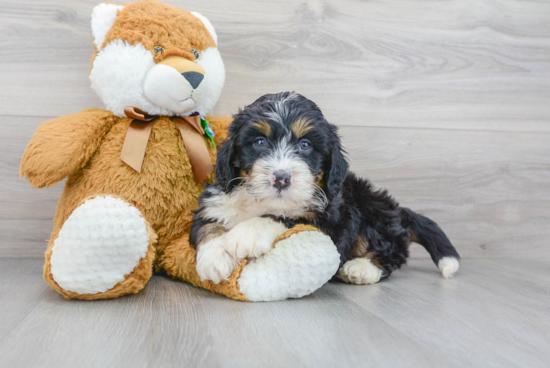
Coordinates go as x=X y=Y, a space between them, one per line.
x=297 y=266
x=102 y=242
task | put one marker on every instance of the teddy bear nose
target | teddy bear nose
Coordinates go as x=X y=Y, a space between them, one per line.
x=193 y=78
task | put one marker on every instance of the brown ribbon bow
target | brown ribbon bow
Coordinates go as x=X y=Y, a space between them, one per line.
x=135 y=143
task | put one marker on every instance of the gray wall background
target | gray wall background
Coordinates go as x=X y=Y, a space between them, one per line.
x=445 y=103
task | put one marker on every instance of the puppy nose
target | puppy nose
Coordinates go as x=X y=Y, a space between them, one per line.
x=281 y=179
x=193 y=78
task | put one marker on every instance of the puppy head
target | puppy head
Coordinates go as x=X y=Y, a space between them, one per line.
x=281 y=148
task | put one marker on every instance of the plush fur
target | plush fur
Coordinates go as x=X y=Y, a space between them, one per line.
x=126 y=67
x=107 y=206
x=283 y=165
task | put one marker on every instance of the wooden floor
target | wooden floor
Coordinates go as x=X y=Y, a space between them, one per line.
x=443 y=102
x=495 y=313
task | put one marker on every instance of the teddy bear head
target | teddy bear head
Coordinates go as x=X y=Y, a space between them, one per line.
x=155 y=57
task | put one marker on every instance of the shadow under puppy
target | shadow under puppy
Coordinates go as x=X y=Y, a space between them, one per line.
x=281 y=165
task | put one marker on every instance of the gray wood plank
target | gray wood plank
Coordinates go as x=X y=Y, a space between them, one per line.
x=26 y=213
x=171 y=324
x=492 y=314
x=488 y=190
x=21 y=289
x=439 y=64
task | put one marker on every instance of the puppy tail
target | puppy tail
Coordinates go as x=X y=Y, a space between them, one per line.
x=428 y=234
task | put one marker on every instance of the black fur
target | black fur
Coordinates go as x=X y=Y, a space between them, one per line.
x=429 y=234
x=356 y=212
x=237 y=153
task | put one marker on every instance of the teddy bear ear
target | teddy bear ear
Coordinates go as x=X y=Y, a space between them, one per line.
x=208 y=25
x=103 y=17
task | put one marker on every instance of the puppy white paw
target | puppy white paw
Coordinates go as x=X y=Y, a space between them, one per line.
x=448 y=266
x=359 y=271
x=213 y=262
x=252 y=238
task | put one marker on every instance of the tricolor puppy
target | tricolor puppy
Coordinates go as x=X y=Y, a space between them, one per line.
x=281 y=165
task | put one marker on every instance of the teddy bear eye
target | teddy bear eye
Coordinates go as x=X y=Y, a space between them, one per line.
x=158 y=49
x=196 y=53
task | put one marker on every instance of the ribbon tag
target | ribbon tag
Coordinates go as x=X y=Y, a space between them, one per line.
x=191 y=130
x=135 y=113
x=191 y=133
x=194 y=120
x=135 y=143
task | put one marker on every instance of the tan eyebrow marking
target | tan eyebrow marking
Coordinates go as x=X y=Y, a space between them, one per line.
x=263 y=127
x=301 y=126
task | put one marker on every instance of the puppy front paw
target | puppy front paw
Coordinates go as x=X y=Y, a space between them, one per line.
x=213 y=262
x=252 y=238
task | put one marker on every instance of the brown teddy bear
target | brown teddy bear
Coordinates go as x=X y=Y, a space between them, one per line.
x=134 y=170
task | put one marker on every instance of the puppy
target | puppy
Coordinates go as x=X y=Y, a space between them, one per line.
x=282 y=165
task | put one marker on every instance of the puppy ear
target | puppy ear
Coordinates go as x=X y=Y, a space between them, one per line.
x=225 y=170
x=336 y=167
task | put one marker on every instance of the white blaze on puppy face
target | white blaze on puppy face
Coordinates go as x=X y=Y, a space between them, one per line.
x=302 y=190
x=123 y=74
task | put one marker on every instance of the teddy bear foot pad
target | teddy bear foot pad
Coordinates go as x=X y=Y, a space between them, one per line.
x=295 y=267
x=102 y=242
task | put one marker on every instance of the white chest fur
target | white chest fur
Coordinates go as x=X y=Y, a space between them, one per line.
x=238 y=206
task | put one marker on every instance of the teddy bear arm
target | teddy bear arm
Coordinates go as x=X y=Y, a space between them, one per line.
x=61 y=146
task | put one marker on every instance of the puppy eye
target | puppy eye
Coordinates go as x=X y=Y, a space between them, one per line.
x=196 y=53
x=305 y=146
x=158 y=49
x=259 y=143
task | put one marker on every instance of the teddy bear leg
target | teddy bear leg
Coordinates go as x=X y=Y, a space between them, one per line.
x=302 y=260
x=104 y=249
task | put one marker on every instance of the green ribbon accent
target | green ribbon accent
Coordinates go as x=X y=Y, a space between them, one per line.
x=208 y=131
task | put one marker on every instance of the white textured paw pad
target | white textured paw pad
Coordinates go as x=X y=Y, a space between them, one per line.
x=297 y=266
x=360 y=271
x=102 y=241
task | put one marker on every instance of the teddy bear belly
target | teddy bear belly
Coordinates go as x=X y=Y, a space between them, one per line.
x=165 y=191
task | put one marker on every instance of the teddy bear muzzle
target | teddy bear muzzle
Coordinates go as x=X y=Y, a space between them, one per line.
x=175 y=84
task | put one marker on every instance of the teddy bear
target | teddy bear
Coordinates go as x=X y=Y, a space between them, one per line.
x=135 y=169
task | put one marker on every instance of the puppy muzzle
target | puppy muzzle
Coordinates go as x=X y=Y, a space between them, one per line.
x=280 y=179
